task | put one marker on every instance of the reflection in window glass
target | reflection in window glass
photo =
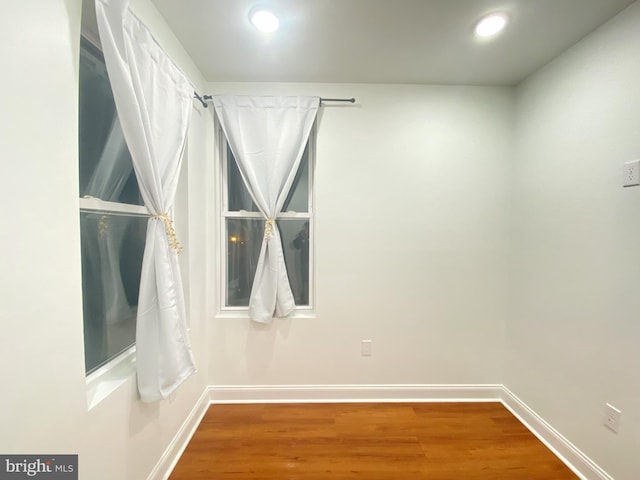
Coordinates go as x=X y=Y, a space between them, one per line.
x=106 y=171
x=244 y=239
x=295 y=244
x=112 y=250
x=112 y=245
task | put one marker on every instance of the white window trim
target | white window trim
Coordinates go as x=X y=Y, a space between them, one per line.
x=93 y=204
x=109 y=377
x=223 y=213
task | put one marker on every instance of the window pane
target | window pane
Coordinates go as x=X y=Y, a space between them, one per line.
x=244 y=239
x=298 y=199
x=112 y=249
x=240 y=199
x=295 y=243
x=106 y=171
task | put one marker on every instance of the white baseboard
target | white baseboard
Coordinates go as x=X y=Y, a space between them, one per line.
x=353 y=393
x=577 y=461
x=176 y=448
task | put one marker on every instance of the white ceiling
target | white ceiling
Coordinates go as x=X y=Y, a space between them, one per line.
x=380 y=41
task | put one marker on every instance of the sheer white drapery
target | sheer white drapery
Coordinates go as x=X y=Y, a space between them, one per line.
x=267 y=136
x=153 y=99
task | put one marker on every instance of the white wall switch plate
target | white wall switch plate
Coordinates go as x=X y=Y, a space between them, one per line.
x=612 y=417
x=366 y=348
x=631 y=173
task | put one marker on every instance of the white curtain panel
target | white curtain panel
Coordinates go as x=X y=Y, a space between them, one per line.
x=267 y=136
x=153 y=100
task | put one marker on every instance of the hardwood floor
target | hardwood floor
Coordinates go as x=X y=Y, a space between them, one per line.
x=390 y=441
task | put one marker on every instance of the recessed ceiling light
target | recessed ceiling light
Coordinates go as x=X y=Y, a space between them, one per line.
x=491 y=25
x=264 y=20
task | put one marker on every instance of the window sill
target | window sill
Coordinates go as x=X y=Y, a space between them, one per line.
x=243 y=313
x=108 y=378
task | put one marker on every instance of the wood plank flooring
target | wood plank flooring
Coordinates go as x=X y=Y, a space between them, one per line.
x=389 y=441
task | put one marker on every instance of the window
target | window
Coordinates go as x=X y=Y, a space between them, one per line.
x=113 y=219
x=243 y=230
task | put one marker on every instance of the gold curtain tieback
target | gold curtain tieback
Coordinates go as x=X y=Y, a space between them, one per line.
x=268 y=228
x=103 y=226
x=172 y=238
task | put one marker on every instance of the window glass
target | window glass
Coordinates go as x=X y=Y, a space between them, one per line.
x=244 y=239
x=298 y=199
x=106 y=171
x=112 y=250
x=240 y=199
x=112 y=244
x=295 y=244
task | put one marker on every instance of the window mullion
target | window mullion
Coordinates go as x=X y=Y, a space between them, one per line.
x=91 y=204
x=285 y=215
x=242 y=214
x=259 y=216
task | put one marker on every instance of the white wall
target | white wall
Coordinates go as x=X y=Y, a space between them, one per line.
x=411 y=240
x=414 y=209
x=574 y=332
x=43 y=404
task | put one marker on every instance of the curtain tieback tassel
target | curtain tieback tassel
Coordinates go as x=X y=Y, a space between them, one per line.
x=268 y=228
x=172 y=238
x=103 y=226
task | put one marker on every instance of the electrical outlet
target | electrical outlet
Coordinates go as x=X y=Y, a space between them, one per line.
x=631 y=173
x=366 y=348
x=612 y=417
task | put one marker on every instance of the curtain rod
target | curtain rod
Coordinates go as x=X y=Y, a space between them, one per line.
x=204 y=98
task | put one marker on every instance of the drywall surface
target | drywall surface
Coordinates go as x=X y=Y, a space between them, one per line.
x=573 y=331
x=43 y=409
x=411 y=233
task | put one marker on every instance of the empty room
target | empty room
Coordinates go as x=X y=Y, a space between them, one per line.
x=434 y=275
